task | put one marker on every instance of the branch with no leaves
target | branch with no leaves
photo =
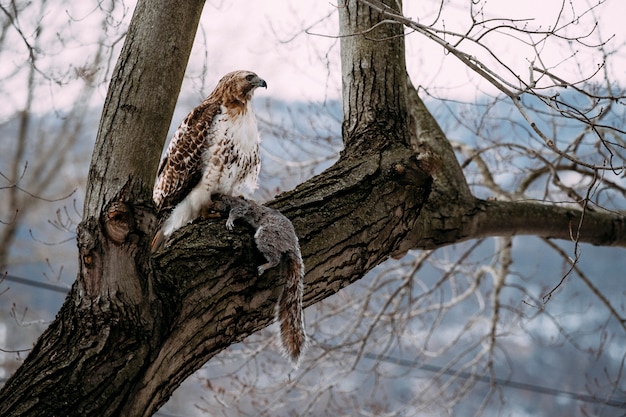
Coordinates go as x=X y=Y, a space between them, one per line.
x=511 y=90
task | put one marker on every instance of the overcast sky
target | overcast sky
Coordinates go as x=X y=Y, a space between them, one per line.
x=269 y=37
x=295 y=48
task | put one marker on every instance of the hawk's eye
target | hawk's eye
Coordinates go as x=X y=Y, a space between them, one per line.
x=249 y=77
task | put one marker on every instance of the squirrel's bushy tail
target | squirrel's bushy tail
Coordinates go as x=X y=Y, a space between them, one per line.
x=289 y=313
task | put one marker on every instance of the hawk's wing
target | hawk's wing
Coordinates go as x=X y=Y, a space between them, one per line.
x=181 y=168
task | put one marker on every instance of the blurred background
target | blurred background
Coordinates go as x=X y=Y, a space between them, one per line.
x=518 y=326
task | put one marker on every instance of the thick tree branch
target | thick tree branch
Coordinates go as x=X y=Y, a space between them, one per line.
x=434 y=151
x=349 y=219
x=505 y=218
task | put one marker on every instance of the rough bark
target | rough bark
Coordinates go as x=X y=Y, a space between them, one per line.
x=131 y=331
x=373 y=73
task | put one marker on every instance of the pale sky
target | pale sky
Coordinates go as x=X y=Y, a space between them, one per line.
x=269 y=38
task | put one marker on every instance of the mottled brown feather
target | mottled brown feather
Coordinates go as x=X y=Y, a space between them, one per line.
x=181 y=170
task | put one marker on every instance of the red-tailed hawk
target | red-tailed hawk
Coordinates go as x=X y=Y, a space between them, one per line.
x=214 y=150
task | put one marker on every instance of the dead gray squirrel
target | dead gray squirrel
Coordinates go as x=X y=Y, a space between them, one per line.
x=276 y=239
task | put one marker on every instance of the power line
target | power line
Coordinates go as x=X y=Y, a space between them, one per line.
x=493 y=380
x=34 y=283
x=166 y=414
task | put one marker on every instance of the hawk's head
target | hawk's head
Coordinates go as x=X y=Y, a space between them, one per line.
x=238 y=86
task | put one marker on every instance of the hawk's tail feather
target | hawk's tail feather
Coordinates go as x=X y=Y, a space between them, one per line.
x=157 y=241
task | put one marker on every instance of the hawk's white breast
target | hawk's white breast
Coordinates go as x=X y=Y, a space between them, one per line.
x=231 y=161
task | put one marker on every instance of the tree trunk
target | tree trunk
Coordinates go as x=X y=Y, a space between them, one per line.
x=374 y=81
x=126 y=336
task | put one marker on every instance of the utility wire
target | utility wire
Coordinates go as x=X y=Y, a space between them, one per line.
x=493 y=380
x=34 y=283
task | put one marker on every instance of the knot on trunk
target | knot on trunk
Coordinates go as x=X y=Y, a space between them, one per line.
x=118 y=222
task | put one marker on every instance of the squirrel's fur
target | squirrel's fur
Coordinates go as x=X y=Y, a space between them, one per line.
x=276 y=239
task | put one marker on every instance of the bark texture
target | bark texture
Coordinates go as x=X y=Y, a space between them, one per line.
x=133 y=328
